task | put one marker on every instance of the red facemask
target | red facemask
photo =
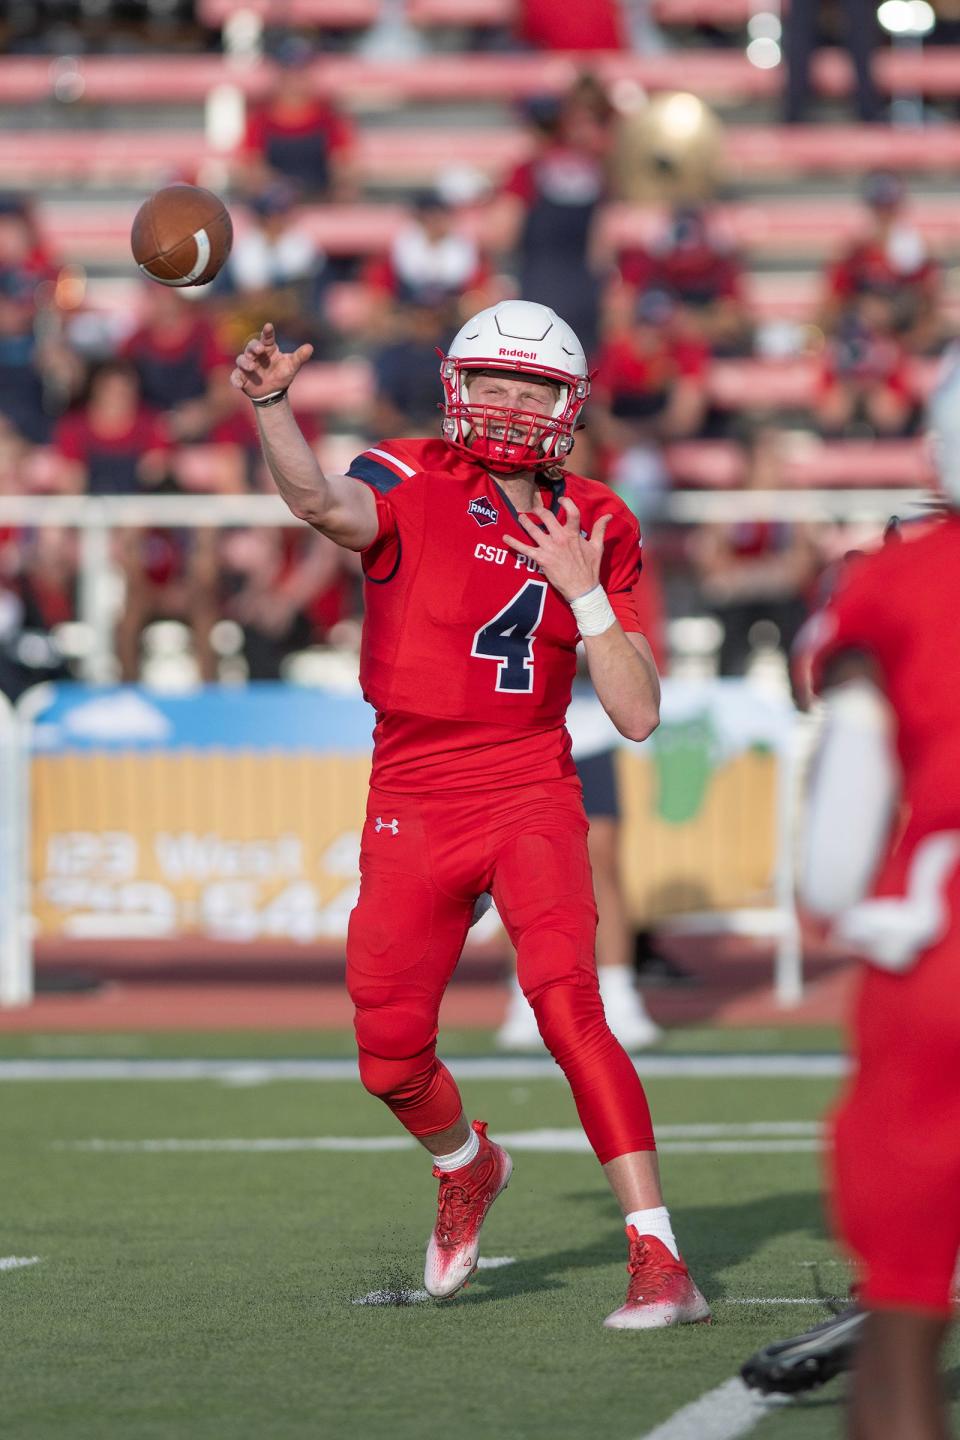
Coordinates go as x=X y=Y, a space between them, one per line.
x=506 y=439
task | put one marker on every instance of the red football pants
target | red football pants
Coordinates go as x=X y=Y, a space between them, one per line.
x=896 y=1154
x=423 y=862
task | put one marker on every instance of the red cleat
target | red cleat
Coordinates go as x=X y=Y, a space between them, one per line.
x=660 y=1291
x=462 y=1204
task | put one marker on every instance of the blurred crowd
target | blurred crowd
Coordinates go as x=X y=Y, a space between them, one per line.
x=137 y=401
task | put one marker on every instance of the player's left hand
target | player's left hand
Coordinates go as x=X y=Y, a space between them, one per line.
x=570 y=561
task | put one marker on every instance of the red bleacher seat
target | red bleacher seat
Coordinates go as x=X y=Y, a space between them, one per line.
x=474 y=13
x=713 y=74
x=414 y=154
x=795 y=225
x=37 y=157
x=765 y=150
x=328 y=14
x=98 y=233
x=478 y=14
x=754 y=384
x=726 y=14
x=816 y=464
x=344 y=388
x=797 y=295
x=360 y=14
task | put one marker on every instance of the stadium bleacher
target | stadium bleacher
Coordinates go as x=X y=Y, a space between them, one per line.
x=408 y=155
x=718 y=76
x=85 y=136
x=98 y=233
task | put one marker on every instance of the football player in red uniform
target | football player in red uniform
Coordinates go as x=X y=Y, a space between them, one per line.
x=885 y=823
x=485 y=563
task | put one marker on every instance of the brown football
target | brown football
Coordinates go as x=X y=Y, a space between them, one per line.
x=181 y=235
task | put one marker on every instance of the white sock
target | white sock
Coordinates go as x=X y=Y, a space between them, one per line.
x=655 y=1222
x=617 y=986
x=468 y=1151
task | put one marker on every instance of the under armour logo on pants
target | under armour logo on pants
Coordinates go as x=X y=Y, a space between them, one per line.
x=391 y=825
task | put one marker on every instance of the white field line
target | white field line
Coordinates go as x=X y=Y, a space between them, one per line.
x=792 y=1137
x=726 y=1413
x=18 y=1262
x=254 y=1072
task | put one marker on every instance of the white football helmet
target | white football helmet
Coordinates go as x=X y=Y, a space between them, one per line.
x=518 y=337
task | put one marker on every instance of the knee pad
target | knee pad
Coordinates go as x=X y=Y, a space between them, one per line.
x=398 y=1031
x=420 y=1091
x=395 y=1080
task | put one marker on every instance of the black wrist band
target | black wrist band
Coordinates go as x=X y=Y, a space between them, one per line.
x=266 y=400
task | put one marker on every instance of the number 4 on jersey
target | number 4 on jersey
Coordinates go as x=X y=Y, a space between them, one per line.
x=508 y=638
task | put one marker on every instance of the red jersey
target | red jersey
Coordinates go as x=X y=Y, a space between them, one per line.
x=597 y=26
x=635 y=381
x=111 y=460
x=899 y=606
x=468 y=653
x=867 y=268
x=696 y=275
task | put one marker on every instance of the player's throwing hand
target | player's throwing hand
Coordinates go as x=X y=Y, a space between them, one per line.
x=570 y=561
x=262 y=367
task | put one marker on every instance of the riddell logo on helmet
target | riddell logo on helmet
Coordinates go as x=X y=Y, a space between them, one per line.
x=519 y=354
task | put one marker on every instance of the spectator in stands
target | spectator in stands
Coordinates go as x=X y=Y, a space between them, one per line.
x=296 y=136
x=286 y=589
x=432 y=255
x=406 y=369
x=892 y=261
x=275 y=271
x=552 y=26
x=22 y=247
x=756 y=575
x=694 y=264
x=22 y=391
x=113 y=444
x=649 y=388
x=546 y=211
x=865 y=377
x=182 y=370
x=802 y=35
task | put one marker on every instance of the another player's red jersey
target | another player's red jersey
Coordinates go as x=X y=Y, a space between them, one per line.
x=468 y=653
x=899 y=605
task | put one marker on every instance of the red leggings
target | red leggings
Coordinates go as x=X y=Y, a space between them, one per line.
x=896 y=1160
x=422 y=871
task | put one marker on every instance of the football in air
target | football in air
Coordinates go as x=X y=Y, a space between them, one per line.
x=181 y=235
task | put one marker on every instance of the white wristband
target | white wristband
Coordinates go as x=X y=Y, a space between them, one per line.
x=593 y=612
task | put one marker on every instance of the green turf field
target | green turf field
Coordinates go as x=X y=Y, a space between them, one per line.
x=208 y=1295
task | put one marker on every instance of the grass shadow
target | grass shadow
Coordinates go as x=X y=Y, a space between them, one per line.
x=715 y=1237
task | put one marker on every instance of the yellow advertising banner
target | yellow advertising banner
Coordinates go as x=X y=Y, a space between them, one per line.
x=173 y=831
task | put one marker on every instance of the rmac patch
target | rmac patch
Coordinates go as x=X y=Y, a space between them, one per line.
x=483 y=510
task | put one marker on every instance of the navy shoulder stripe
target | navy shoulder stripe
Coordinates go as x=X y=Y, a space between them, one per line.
x=373 y=473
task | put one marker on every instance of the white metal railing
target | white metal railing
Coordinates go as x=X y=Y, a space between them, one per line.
x=16 y=967
x=685 y=507
x=94 y=517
